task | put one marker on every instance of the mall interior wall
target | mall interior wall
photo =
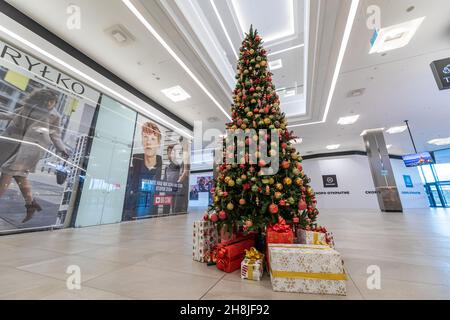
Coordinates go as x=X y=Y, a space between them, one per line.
x=352 y=185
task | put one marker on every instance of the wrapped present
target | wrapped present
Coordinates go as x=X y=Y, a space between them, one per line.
x=252 y=267
x=205 y=238
x=229 y=256
x=307 y=269
x=278 y=233
x=319 y=236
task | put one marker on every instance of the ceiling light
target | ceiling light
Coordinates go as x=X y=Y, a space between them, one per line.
x=389 y=146
x=440 y=142
x=398 y=129
x=93 y=81
x=275 y=64
x=396 y=36
x=333 y=146
x=297 y=141
x=289 y=93
x=348 y=120
x=149 y=27
x=369 y=130
x=176 y=94
x=348 y=29
x=287 y=49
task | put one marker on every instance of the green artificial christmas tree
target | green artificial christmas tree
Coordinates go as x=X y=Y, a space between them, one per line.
x=244 y=195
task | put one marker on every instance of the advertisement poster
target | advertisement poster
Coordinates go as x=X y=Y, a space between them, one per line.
x=159 y=172
x=44 y=128
x=199 y=191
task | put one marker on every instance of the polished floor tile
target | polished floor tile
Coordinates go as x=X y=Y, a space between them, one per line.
x=152 y=259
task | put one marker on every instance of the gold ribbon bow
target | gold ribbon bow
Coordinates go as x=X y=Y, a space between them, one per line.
x=252 y=255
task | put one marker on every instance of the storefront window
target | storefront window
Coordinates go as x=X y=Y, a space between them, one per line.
x=45 y=118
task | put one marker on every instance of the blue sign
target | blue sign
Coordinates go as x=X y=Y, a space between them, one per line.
x=408 y=181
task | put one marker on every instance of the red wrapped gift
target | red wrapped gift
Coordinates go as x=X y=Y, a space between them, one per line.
x=278 y=233
x=229 y=256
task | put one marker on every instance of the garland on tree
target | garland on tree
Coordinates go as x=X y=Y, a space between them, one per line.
x=242 y=195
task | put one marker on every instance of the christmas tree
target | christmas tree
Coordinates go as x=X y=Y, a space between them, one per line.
x=244 y=193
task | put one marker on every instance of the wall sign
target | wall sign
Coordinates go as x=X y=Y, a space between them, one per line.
x=329 y=181
x=441 y=72
x=408 y=181
x=25 y=62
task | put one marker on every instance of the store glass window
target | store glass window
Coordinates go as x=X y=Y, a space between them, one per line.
x=45 y=118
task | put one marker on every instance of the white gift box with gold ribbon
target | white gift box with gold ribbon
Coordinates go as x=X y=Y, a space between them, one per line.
x=306 y=269
x=311 y=237
x=252 y=269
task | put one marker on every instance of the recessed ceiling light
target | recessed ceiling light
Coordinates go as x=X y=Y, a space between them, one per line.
x=440 y=142
x=369 y=130
x=398 y=129
x=333 y=146
x=348 y=120
x=297 y=141
x=396 y=36
x=275 y=64
x=176 y=94
x=289 y=93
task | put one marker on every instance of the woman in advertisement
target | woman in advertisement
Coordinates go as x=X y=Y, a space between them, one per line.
x=31 y=130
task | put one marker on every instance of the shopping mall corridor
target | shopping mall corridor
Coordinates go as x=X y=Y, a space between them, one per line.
x=151 y=259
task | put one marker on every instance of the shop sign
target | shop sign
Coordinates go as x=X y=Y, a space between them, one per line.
x=330 y=181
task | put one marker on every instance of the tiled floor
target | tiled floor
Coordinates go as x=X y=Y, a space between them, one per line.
x=151 y=259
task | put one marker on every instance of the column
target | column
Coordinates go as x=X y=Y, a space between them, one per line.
x=382 y=174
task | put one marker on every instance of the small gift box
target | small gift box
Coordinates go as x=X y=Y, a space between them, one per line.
x=279 y=233
x=317 y=236
x=229 y=256
x=252 y=267
x=205 y=238
x=306 y=269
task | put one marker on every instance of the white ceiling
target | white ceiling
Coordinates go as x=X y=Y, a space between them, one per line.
x=399 y=86
x=219 y=27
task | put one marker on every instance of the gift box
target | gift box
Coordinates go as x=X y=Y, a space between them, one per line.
x=279 y=233
x=306 y=269
x=229 y=256
x=252 y=267
x=315 y=237
x=205 y=238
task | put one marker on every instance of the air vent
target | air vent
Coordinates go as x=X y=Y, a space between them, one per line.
x=120 y=35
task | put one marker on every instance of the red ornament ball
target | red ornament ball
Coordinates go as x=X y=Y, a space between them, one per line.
x=214 y=217
x=273 y=208
x=222 y=215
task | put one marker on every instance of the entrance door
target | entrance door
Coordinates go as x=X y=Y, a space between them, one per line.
x=104 y=188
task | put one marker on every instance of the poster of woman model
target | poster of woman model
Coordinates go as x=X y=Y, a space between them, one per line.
x=159 y=172
x=43 y=131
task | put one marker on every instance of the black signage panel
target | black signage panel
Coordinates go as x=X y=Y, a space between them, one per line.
x=441 y=72
x=330 y=181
